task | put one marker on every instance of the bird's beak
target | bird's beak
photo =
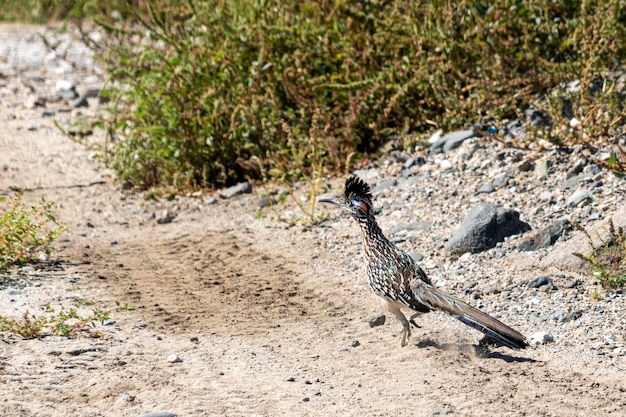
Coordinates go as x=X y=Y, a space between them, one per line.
x=332 y=200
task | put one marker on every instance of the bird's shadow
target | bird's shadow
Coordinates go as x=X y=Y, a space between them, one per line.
x=479 y=350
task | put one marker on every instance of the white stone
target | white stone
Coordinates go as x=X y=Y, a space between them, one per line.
x=174 y=359
x=541 y=338
x=445 y=165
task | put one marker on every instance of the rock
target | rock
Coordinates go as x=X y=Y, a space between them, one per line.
x=174 y=359
x=541 y=168
x=80 y=102
x=33 y=101
x=367 y=174
x=230 y=192
x=541 y=338
x=266 y=201
x=537 y=117
x=435 y=137
x=562 y=257
x=486 y=188
x=93 y=92
x=574 y=315
x=540 y=282
x=383 y=185
x=127 y=397
x=416 y=256
x=355 y=343
x=108 y=322
x=571 y=283
x=546 y=236
x=525 y=166
x=127 y=185
x=445 y=165
x=209 y=201
x=70 y=95
x=579 y=198
x=64 y=85
x=500 y=181
x=166 y=217
x=450 y=141
x=377 y=321
x=571 y=182
x=483 y=227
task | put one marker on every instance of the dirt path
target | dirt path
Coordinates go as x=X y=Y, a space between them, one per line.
x=266 y=319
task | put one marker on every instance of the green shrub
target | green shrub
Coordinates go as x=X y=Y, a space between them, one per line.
x=26 y=232
x=70 y=322
x=200 y=89
x=608 y=260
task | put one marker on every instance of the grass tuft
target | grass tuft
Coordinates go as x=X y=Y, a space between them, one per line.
x=608 y=260
x=25 y=232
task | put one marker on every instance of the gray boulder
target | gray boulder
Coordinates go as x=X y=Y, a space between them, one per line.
x=483 y=227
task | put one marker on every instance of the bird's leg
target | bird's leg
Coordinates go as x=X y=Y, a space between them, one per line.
x=406 y=329
x=412 y=320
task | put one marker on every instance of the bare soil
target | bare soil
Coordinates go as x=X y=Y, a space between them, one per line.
x=266 y=320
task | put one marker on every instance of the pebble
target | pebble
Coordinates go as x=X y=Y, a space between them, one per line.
x=377 y=321
x=127 y=397
x=64 y=85
x=230 y=192
x=500 y=181
x=574 y=315
x=417 y=257
x=541 y=338
x=540 y=282
x=80 y=102
x=450 y=141
x=486 y=188
x=546 y=236
x=541 y=168
x=445 y=165
x=166 y=217
x=579 y=198
x=174 y=358
x=33 y=101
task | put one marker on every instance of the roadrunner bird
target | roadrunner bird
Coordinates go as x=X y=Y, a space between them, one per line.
x=398 y=279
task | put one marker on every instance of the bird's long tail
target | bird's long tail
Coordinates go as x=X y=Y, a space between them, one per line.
x=491 y=327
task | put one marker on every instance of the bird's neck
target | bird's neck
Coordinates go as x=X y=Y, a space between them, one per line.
x=374 y=241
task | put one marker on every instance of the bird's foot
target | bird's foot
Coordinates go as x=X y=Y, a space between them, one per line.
x=406 y=335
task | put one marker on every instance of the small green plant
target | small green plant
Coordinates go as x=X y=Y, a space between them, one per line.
x=616 y=164
x=26 y=231
x=63 y=322
x=608 y=260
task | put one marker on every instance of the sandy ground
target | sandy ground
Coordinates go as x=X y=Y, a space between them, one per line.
x=265 y=319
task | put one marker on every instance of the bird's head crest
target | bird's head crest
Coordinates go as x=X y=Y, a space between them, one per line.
x=357 y=189
x=358 y=196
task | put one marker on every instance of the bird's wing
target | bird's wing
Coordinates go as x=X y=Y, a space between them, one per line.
x=410 y=270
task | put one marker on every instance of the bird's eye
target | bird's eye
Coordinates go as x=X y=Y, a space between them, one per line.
x=360 y=204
